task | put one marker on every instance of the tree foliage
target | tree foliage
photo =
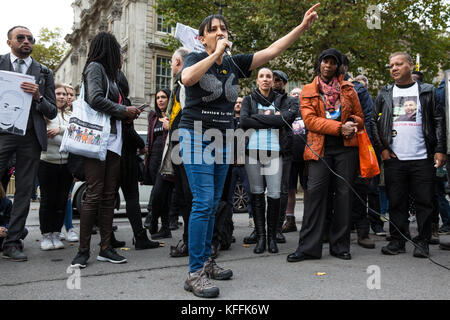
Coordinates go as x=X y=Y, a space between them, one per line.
x=416 y=26
x=50 y=48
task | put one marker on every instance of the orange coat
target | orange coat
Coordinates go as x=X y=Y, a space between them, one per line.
x=312 y=108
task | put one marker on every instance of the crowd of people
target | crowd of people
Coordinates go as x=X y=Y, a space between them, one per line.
x=280 y=140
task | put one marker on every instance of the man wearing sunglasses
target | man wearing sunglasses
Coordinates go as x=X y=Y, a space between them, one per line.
x=27 y=147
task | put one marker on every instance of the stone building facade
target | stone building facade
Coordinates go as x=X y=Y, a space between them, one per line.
x=139 y=31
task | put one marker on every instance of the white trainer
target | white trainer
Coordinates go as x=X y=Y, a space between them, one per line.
x=62 y=236
x=72 y=236
x=57 y=243
x=47 y=242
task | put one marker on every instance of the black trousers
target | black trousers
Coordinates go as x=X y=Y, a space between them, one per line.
x=183 y=197
x=343 y=161
x=130 y=189
x=414 y=177
x=162 y=196
x=362 y=218
x=55 y=181
x=28 y=151
x=284 y=192
x=359 y=210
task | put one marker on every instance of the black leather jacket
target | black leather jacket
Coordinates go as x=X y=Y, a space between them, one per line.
x=96 y=85
x=433 y=120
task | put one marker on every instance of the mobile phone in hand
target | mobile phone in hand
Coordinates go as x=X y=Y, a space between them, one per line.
x=145 y=105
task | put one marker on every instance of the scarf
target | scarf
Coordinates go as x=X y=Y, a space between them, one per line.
x=330 y=91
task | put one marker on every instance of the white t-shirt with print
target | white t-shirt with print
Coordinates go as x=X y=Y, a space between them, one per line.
x=408 y=142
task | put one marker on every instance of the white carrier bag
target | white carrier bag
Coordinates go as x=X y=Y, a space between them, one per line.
x=88 y=130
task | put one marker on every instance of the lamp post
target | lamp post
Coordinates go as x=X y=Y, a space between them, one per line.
x=220 y=5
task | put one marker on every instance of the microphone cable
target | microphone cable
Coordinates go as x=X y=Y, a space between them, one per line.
x=346 y=182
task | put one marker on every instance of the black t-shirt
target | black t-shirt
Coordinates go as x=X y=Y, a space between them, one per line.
x=157 y=147
x=212 y=99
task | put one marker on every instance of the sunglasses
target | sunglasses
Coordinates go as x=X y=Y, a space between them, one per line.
x=21 y=38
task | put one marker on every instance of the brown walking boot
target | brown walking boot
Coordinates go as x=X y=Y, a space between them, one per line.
x=289 y=225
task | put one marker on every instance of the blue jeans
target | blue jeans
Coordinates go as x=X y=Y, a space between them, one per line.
x=384 y=202
x=68 y=217
x=206 y=181
x=444 y=207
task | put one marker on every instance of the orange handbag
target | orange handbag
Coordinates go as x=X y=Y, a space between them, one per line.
x=368 y=163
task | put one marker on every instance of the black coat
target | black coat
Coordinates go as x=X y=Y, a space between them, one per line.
x=131 y=143
x=433 y=120
x=288 y=107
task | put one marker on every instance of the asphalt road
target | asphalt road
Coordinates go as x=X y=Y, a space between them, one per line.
x=153 y=275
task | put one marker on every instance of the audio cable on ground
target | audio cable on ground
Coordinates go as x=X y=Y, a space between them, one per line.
x=346 y=182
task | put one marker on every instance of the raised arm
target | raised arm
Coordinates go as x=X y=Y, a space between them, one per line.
x=279 y=46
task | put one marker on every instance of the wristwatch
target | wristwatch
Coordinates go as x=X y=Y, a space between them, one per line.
x=40 y=99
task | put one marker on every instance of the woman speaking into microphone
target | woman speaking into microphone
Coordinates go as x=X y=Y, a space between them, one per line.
x=211 y=81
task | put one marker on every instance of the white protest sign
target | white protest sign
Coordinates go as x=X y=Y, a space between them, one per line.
x=15 y=104
x=189 y=37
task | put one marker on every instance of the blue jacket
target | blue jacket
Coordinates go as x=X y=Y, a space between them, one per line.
x=440 y=93
x=366 y=102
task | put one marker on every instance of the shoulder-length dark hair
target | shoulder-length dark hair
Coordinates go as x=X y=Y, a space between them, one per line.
x=157 y=110
x=105 y=50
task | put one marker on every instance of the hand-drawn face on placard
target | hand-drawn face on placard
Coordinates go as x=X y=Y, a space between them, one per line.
x=11 y=107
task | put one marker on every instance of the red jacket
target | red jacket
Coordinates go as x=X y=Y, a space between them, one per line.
x=312 y=108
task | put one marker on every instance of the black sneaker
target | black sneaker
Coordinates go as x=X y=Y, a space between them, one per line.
x=421 y=249
x=81 y=259
x=14 y=253
x=110 y=255
x=394 y=247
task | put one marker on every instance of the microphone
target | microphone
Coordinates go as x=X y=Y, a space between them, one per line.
x=227 y=49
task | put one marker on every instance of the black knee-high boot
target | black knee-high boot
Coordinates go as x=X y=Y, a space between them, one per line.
x=259 y=216
x=273 y=214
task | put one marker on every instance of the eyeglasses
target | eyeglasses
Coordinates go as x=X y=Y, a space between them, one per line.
x=21 y=38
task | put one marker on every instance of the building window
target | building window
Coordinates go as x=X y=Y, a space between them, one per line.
x=163 y=73
x=162 y=27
